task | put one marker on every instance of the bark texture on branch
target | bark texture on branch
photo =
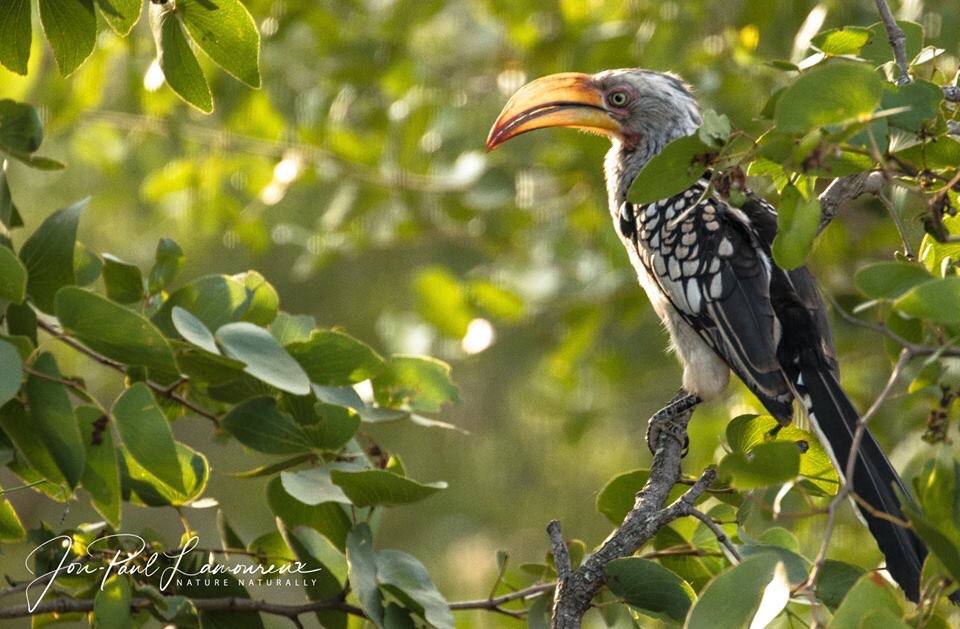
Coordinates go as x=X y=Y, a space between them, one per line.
x=898 y=41
x=845 y=189
x=574 y=593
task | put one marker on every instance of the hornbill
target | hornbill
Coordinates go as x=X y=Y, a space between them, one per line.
x=707 y=269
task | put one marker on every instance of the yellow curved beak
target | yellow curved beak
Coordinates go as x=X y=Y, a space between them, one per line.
x=568 y=99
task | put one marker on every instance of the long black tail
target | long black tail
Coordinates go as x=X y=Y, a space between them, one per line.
x=835 y=419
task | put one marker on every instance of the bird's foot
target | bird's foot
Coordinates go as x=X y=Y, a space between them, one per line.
x=663 y=421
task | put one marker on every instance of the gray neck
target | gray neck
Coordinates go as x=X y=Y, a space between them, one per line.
x=622 y=163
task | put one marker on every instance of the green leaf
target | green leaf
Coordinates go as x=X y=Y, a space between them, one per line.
x=938 y=153
x=220 y=299
x=167 y=262
x=332 y=428
x=123 y=281
x=11 y=374
x=833 y=93
x=677 y=167
x=112 y=330
x=889 y=280
x=15 y=35
x=766 y=464
x=871 y=592
x=921 y=97
x=941 y=540
x=397 y=617
x=180 y=66
x=751 y=594
x=228 y=536
x=225 y=30
x=54 y=420
x=272 y=468
x=878 y=51
x=797 y=222
x=25 y=435
x=71 y=29
x=402 y=575
x=419 y=383
x=146 y=434
x=9 y=215
x=374 y=488
x=264 y=357
x=314 y=486
x=715 y=129
x=841 y=41
x=288 y=328
x=835 y=580
x=329 y=519
x=153 y=492
x=937 y=300
x=101 y=475
x=618 y=496
x=937 y=257
x=11 y=528
x=335 y=359
x=48 y=255
x=111 y=606
x=22 y=321
x=317 y=553
x=260 y=425
x=121 y=15
x=362 y=562
x=936 y=488
x=797 y=567
x=87 y=265
x=746 y=432
x=36 y=161
x=650 y=587
x=193 y=330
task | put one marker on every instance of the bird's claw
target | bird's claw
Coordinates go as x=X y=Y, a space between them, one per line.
x=659 y=425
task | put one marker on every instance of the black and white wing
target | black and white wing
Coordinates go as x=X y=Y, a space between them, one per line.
x=712 y=268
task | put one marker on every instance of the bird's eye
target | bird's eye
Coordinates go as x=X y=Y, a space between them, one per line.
x=618 y=99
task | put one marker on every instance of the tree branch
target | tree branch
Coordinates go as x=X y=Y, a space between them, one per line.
x=898 y=41
x=67 y=605
x=167 y=392
x=558 y=547
x=574 y=593
x=845 y=189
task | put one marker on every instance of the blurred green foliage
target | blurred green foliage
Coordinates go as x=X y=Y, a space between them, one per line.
x=354 y=182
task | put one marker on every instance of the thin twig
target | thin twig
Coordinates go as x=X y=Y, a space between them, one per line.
x=717 y=531
x=112 y=364
x=67 y=605
x=916 y=349
x=898 y=41
x=887 y=203
x=70 y=605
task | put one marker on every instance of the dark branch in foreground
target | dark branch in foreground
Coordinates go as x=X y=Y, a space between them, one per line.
x=68 y=605
x=574 y=593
